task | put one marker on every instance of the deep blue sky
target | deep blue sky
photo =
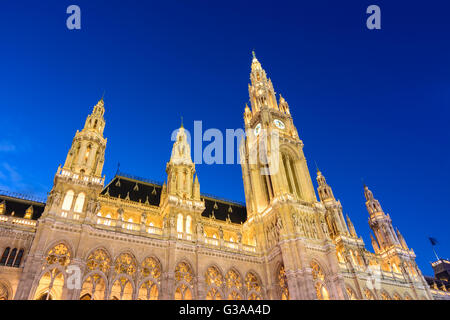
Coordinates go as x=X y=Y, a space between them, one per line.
x=367 y=104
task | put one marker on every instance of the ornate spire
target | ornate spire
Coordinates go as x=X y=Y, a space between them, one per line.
x=261 y=89
x=181 y=170
x=325 y=191
x=196 y=189
x=181 y=151
x=380 y=223
x=283 y=105
x=375 y=246
x=372 y=204
x=247 y=114
x=351 y=228
x=86 y=155
x=402 y=240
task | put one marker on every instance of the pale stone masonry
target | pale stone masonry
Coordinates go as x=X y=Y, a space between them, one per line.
x=138 y=239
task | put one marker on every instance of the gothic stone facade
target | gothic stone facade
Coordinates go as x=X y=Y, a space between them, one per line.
x=137 y=239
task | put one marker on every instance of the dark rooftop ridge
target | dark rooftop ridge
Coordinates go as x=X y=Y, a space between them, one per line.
x=22 y=196
x=158 y=183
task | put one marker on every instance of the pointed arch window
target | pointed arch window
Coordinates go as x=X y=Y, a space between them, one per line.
x=148 y=291
x=4 y=294
x=253 y=287
x=266 y=183
x=214 y=277
x=213 y=294
x=68 y=199
x=184 y=277
x=5 y=256
x=351 y=294
x=183 y=293
x=79 y=203
x=291 y=174
x=88 y=152
x=189 y=224
x=319 y=282
x=282 y=282
x=180 y=223
x=10 y=261
x=59 y=254
x=18 y=259
x=99 y=260
x=125 y=264
x=150 y=267
x=287 y=173
x=11 y=258
x=369 y=295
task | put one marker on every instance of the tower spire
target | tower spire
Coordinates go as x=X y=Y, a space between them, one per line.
x=379 y=222
x=180 y=169
x=261 y=89
x=86 y=155
x=325 y=191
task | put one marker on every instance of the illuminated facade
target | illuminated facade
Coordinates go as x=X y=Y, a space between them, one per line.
x=139 y=239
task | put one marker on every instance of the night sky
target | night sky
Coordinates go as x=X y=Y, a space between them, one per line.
x=368 y=104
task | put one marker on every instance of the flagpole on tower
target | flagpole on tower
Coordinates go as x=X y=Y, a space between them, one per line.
x=433 y=243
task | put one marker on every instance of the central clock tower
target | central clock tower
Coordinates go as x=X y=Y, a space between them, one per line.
x=273 y=162
x=284 y=216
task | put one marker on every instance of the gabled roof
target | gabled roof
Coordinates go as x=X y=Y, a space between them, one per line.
x=140 y=190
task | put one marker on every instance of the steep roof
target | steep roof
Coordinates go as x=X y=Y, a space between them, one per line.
x=19 y=204
x=141 y=190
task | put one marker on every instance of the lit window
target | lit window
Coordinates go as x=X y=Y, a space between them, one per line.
x=67 y=204
x=180 y=223
x=79 y=203
x=189 y=224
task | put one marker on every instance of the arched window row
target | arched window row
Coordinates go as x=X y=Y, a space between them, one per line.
x=126 y=274
x=11 y=257
x=231 y=286
x=184 y=224
x=124 y=264
x=69 y=201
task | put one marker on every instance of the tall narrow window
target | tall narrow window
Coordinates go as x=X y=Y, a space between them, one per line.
x=286 y=172
x=269 y=179
x=68 y=199
x=184 y=277
x=79 y=203
x=180 y=223
x=188 y=224
x=11 y=257
x=5 y=256
x=88 y=152
x=18 y=258
x=266 y=188
x=294 y=177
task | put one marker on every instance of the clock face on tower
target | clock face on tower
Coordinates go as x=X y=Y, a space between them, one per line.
x=257 y=129
x=279 y=124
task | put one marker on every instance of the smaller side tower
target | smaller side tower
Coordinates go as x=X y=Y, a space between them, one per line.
x=334 y=216
x=78 y=183
x=180 y=204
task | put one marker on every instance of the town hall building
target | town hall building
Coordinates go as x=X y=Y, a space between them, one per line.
x=133 y=238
